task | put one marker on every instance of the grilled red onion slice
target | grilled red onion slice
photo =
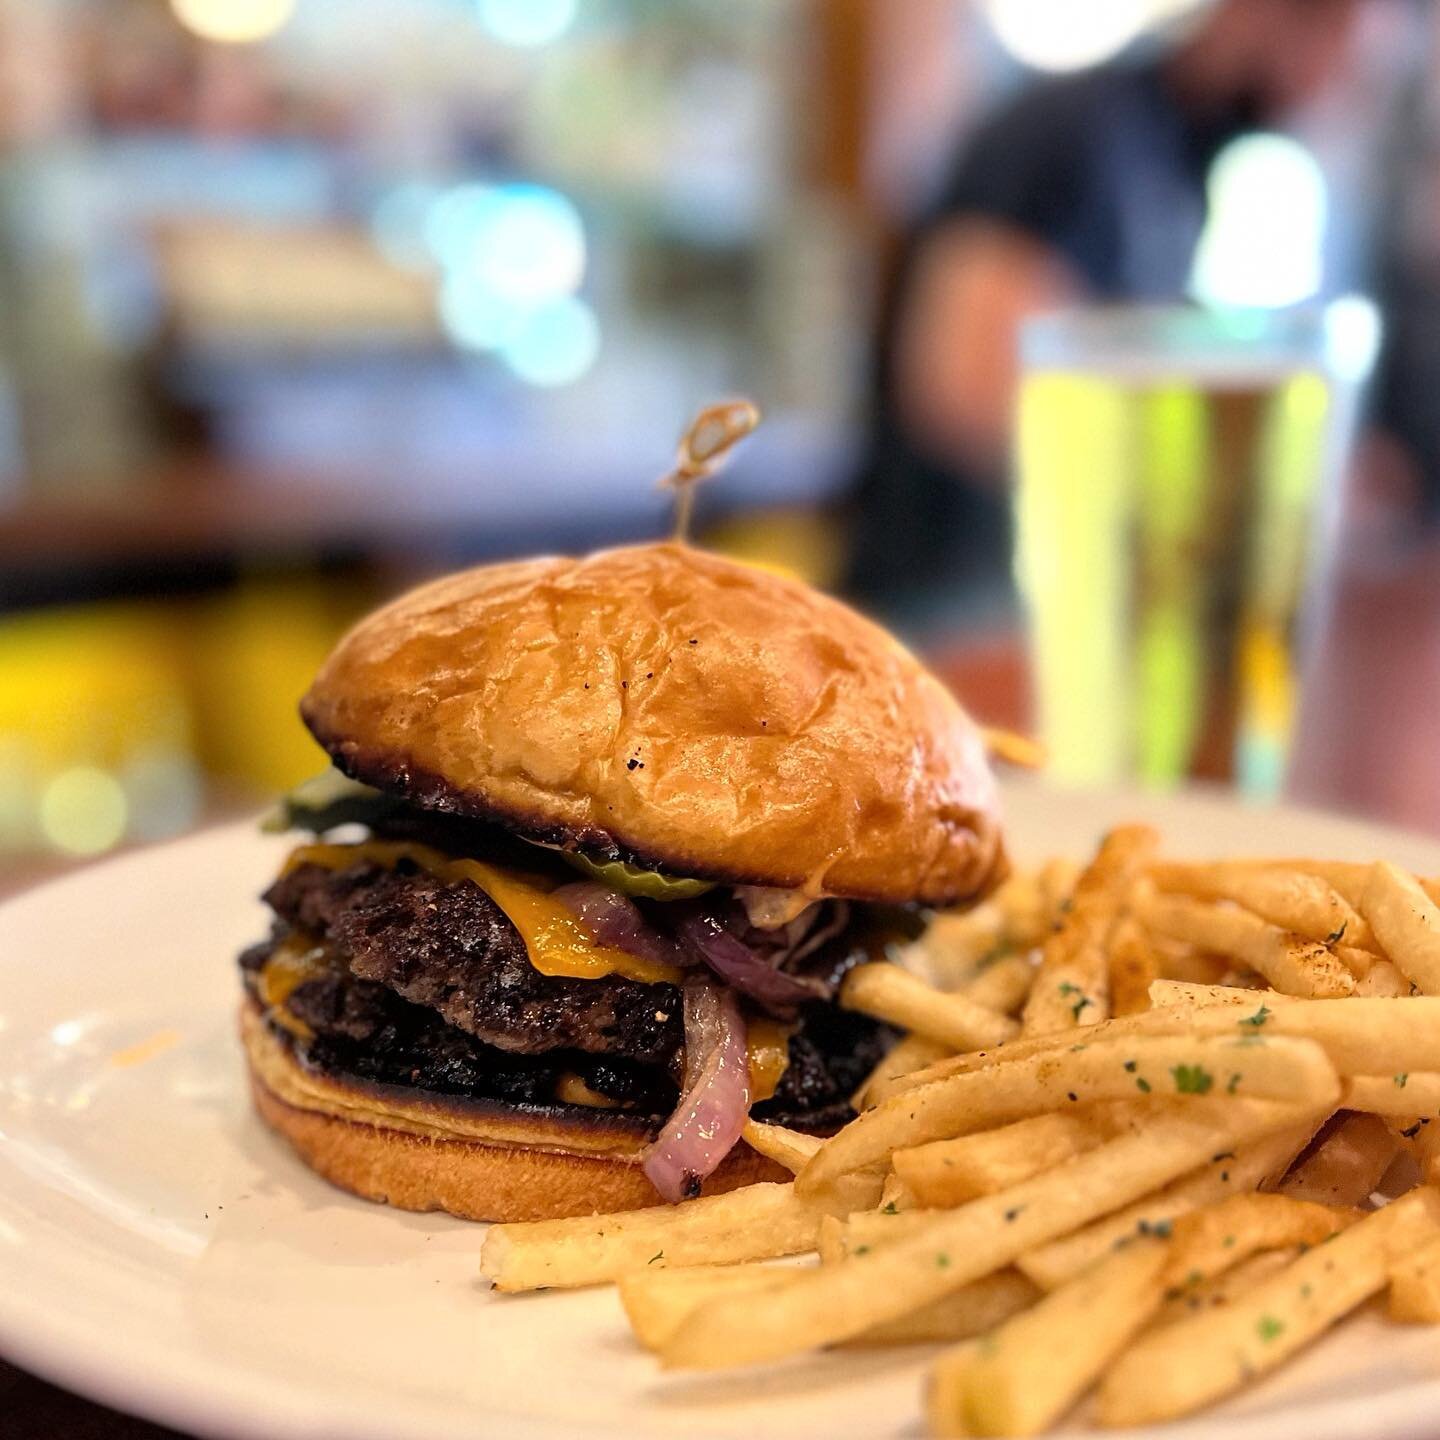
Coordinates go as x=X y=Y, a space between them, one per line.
x=707 y=1122
x=616 y=921
x=735 y=962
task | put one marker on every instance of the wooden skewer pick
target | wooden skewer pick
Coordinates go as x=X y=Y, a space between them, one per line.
x=704 y=449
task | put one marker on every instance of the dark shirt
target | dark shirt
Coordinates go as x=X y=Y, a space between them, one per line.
x=1107 y=169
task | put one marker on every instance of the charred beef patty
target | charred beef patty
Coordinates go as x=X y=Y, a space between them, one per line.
x=450 y=947
x=364 y=1031
x=431 y=988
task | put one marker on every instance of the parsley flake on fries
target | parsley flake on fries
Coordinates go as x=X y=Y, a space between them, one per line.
x=1131 y=1148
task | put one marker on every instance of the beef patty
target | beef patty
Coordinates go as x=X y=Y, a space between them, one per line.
x=451 y=948
x=364 y=1031
x=431 y=987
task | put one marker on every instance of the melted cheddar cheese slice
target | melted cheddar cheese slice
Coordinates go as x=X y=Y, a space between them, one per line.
x=768 y=1046
x=556 y=940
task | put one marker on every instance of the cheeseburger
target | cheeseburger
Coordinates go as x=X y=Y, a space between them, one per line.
x=602 y=837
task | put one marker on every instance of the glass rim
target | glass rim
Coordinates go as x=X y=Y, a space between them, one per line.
x=1339 y=338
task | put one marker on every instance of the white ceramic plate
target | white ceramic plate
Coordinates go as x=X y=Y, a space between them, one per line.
x=161 y=1251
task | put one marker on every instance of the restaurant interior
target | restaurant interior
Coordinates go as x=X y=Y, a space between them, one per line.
x=302 y=301
x=1096 y=345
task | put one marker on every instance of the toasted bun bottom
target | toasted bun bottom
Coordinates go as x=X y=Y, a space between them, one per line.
x=475 y=1178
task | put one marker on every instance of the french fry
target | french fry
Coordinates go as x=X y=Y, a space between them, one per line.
x=1293 y=900
x=1025 y=915
x=1009 y=747
x=1066 y=997
x=946 y=1173
x=1415 y=1286
x=909 y=1054
x=1345 y=877
x=969 y=1311
x=1346 y=1166
x=1170 y=1020
x=1358 y=962
x=837 y=1302
x=1230 y=1170
x=1289 y=962
x=791 y=1148
x=1406 y=1032
x=1134 y=967
x=1350 y=878
x=1028 y=1373
x=1177 y=1369
x=895 y=1192
x=1208 y=1242
x=868 y=1230
x=656 y=1301
x=1225 y=1288
x=756 y=1222
x=830 y=1243
x=957 y=943
x=1383 y=982
x=1002 y=984
x=1175 y=992
x=1056 y=878
x=1406 y=922
x=1176 y=1193
x=1121 y=857
x=1403 y=1094
x=1353 y=1034
x=893 y=995
x=1073 y=986
x=1179 y=961
x=859 y=1190
x=1123 y=1069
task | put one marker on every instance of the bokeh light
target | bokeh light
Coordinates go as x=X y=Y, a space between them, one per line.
x=234 y=22
x=1263 y=243
x=474 y=316
x=1067 y=35
x=558 y=342
x=513 y=255
x=454 y=219
x=527 y=23
x=1353 y=332
x=164 y=792
x=83 y=811
x=523 y=242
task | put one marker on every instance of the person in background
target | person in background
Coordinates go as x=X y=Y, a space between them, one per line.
x=1084 y=187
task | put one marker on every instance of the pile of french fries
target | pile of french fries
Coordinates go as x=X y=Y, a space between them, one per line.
x=1154 y=1128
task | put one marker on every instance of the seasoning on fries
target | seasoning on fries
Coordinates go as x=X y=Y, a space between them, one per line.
x=1154 y=1198
x=1415 y=1286
x=1196 y=1361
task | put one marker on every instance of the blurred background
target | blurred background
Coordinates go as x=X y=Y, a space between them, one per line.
x=304 y=300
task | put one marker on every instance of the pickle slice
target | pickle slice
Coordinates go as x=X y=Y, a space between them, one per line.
x=638 y=884
x=326 y=800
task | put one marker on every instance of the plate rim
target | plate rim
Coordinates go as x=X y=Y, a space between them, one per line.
x=207 y=1397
